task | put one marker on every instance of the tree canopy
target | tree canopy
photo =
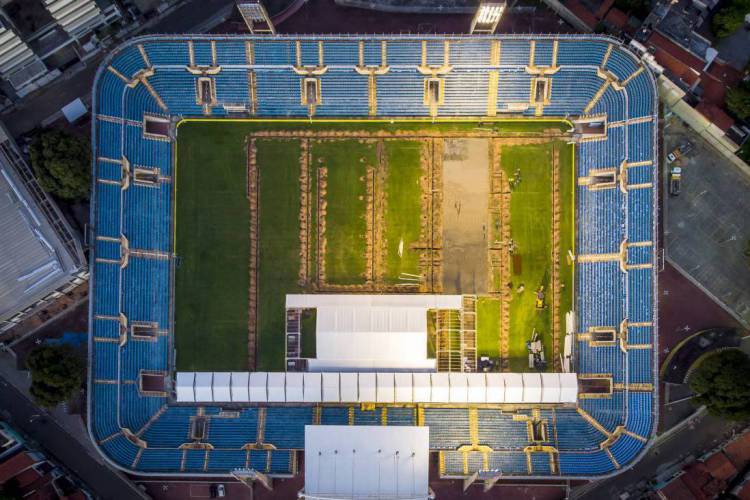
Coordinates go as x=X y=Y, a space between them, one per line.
x=56 y=374
x=730 y=17
x=738 y=101
x=721 y=383
x=62 y=164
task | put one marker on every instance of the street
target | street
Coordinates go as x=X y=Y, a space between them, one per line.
x=63 y=447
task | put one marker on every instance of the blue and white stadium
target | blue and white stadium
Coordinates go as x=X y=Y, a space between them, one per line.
x=595 y=82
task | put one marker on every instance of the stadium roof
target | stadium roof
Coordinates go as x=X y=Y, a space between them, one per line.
x=366 y=462
x=371 y=332
x=34 y=261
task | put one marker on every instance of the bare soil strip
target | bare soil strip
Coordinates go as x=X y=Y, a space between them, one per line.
x=252 y=196
x=304 y=212
x=555 y=275
x=465 y=209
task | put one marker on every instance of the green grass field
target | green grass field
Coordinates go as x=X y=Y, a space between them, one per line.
x=346 y=227
x=488 y=327
x=213 y=244
x=403 y=207
x=212 y=237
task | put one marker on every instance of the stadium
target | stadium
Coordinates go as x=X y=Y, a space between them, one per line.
x=206 y=264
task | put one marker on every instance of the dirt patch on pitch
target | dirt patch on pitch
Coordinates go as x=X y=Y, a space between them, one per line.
x=465 y=209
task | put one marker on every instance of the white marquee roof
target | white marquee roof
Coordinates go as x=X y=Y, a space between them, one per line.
x=366 y=462
x=381 y=387
x=371 y=332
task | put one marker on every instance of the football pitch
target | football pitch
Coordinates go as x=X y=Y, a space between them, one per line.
x=266 y=208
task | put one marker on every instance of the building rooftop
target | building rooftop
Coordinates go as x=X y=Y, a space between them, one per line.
x=34 y=261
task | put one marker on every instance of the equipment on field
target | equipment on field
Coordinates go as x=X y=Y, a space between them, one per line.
x=536 y=352
x=540 y=297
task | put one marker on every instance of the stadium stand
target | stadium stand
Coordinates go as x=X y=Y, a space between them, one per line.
x=157 y=76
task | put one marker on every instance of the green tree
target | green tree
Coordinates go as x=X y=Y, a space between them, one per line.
x=738 y=101
x=721 y=383
x=56 y=374
x=62 y=163
x=730 y=17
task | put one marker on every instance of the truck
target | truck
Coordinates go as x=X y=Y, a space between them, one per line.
x=675 y=177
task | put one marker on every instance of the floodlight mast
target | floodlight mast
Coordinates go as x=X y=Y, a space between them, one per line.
x=256 y=17
x=487 y=17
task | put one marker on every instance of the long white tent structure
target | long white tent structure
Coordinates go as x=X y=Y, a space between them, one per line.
x=344 y=462
x=349 y=387
x=371 y=332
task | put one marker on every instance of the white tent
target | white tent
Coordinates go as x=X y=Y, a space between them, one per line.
x=331 y=388
x=459 y=389
x=477 y=387
x=532 y=387
x=381 y=387
x=385 y=388
x=358 y=462
x=221 y=387
x=404 y=387
x=367 y=388
x=422 y=387
x=204 y=386
x=240 y=382
x=495 y=387
x=258 y=387
x=513 y=387
x=440 y=384
x=371 y=332
x=184 y=386
x=294 y=387
x=349 y=387
x=568 y=387
x=276 y=389
x=550 y=388
x=313 y=387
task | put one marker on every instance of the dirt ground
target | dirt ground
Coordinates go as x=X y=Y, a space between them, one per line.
x=465 y=213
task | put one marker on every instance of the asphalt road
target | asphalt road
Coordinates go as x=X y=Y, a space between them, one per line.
x=63 y=447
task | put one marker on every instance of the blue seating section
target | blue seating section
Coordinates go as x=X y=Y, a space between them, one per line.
x=606 y=295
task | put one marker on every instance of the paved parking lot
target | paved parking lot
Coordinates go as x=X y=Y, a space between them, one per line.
x=707 y=226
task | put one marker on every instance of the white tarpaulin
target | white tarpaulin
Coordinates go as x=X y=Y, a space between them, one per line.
x=459 y=389
x=203 y=386
x=477 y=387
x=331 y=388
x=240 y=384
x=184 y=383
x=381 y=387
x=495 y=387
x=259 y=387
x=294 y=387
x=513 y=388
x=357 y=461
x=404 y=387
x=422 y=387
x=349 y=386
x=440 y=393
x=313 y=383
x=371 y=332
x=532 y=388
x=367 y=388
x=222 y=392
x=385 y=388
x=550 y=387
x=568 y=387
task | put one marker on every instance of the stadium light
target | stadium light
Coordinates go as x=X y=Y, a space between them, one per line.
x=487 y=17
x=256 y=17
